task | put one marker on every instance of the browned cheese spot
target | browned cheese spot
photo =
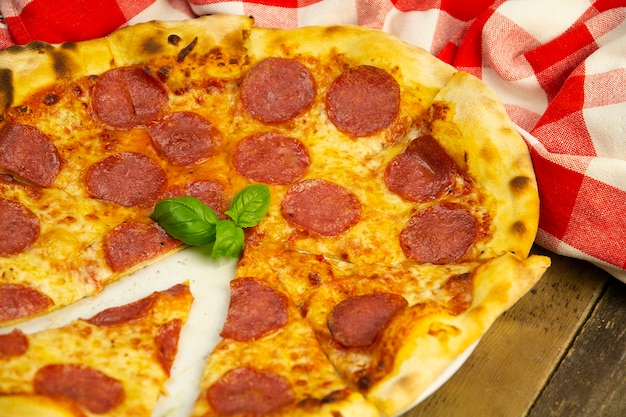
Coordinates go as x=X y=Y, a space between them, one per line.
x=440 y=111
x=443 y=330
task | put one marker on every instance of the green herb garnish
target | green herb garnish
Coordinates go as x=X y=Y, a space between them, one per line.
x=194 y=223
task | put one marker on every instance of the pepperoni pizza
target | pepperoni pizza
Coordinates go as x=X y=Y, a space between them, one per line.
x=403 y=202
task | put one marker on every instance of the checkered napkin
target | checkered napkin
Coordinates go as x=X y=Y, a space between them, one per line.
x=559 y=67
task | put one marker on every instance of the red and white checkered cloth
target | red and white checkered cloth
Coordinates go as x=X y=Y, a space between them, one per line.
x=559 y=67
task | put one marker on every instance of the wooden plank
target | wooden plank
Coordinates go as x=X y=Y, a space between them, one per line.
x=515 y=359
x=591 y=381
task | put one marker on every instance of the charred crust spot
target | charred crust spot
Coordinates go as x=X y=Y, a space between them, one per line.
x=173 y=39
x=6 y=88
x=332 y=30
x=68 y=45
x=38 y=46
x=61 y=63
x=519 y=183
x=519 y=228
x=186 y=50
x=152 y=46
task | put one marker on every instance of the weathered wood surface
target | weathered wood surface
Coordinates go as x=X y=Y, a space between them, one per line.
x=560 y=351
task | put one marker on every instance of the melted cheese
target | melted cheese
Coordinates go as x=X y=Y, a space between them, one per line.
x=126 y=352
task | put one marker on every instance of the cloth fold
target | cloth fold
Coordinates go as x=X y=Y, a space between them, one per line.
x=558 y=66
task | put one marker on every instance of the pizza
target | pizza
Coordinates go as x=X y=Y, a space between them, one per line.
x=112 y=364
x=401 y=213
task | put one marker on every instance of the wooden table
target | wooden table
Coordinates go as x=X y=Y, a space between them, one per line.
x=560 y=351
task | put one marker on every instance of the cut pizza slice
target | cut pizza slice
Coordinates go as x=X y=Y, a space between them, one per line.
x=392 y=345
x=391 y=331
x=112 y=364
x=269 y=361
x=58 y=248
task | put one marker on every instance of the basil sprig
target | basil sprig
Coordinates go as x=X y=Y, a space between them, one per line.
x=194 y=223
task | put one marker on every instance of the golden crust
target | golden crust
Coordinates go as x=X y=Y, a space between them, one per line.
x=432 y=337
x=215 y=42
x=471 y=123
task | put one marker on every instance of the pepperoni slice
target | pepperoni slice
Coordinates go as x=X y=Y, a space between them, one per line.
x=271 y=158
x=123 y=314
x=363 y=100
x=19 y=301
x=250 y=392
x=28 y=154
x=255 y=310
x=209 y=192
x=184 y=138
x=276 y=90
x=358 y=320
x=422 y=172
x=440 y=234
x=90 y=388
x=19 y=227
x=126 y=178
x=13 y=344
x=131 y=243
x=127 y=97
x=177 y=289
x=167 y=343
x=321 y=207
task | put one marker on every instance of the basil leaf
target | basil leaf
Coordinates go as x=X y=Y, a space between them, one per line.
x=187 y=219
x=229 y=240
x=250 y=205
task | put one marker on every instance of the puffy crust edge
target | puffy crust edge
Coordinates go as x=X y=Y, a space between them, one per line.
x=488 y=147
x=25 y=69
x=435 y=339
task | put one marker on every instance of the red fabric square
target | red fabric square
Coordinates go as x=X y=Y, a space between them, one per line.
x=571 y=98
x=558 y=192
x=416 y=5
x=598 y=222
x=604 y=5
x=572 y=127
x=554 y=61
x=467 y=10
x=469 y=54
